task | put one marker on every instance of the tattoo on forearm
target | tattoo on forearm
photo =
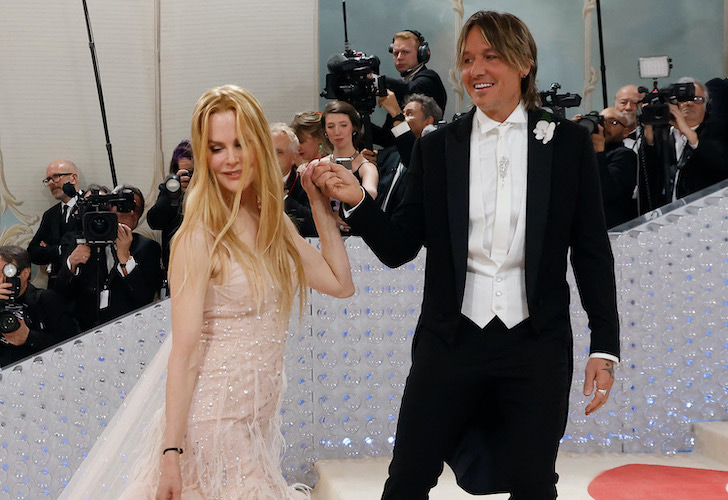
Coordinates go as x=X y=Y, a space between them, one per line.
x=609 y=369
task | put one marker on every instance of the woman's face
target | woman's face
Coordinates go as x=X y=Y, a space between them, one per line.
x=339 y=130
x=225 y=154
x=310 y=147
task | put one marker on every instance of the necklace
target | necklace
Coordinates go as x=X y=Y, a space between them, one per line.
x=356 y=153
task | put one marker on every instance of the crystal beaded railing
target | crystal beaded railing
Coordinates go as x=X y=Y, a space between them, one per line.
x=347 y=361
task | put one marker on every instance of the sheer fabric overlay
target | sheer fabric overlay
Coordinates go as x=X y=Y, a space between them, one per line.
x=233 y=445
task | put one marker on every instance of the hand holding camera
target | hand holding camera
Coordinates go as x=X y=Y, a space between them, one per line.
x=123 y=243
x=80 y=255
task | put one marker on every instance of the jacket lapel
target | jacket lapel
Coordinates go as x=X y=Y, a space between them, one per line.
x=457 y=154
x=538 y=188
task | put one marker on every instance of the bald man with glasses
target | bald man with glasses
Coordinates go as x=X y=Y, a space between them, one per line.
x=45 y=247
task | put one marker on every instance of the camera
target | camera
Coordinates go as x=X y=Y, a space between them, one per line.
x=99 y=225
x=10 y=311
x=353 y=77
x=556 y=102
x=591 y=121
x=173 y=186
x=656 y=110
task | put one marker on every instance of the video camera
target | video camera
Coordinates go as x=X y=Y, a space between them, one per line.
x=354 y=77
x=99 y=225
x=557 y=103
x=173 y=186
x=656 y=110
x=10 y=311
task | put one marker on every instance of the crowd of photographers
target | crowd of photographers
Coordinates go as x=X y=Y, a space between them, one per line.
x=652 y=147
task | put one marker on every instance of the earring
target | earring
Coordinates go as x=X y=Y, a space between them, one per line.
x=321 y=147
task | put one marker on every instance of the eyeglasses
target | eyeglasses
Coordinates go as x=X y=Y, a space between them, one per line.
x=54 y=178
x=699 y=99
x=614 y=122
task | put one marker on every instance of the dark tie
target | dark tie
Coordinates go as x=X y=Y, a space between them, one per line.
x=63 y=218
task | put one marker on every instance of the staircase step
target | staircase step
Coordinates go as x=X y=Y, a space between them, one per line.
x=711 y=440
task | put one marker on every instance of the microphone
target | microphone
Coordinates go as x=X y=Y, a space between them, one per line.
x=69 y=190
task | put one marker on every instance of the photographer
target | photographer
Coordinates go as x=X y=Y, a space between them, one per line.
x=166 y=214
x=699 y=150
x=45 y=247
x=41 y=315
x=112 y=278
x=617 y=164
x=411 y=52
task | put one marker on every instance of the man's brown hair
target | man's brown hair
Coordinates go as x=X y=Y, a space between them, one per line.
x=512 y=40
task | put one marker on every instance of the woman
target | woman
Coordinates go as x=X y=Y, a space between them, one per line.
x=166 y=214
x=343 y=129
x=310 y=132
x=235 y=267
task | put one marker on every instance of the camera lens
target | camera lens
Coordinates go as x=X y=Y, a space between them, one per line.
x=99 y=225
x=8 y=322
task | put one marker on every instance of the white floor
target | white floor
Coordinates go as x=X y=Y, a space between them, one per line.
x=363 y=479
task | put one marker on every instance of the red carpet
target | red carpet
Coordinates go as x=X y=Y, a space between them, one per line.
x=658 y=482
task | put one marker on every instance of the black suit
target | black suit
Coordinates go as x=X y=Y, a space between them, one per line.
x=388 y=160
x=166 y=215
x=618 y=174
x=699 y=168
x=297 y=206
x=457 y=368
x=51 y=230
x=425 y=81
x=126 y=293
x=48 y=320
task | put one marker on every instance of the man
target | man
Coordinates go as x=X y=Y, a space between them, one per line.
x=420 y=112
x=411 y=52
x=296 y=203
x=699 y=151
x=617 y=168
x=489 y=385
x=110 y=280
x=45 y=247
x=44 y=320
x=627 y=101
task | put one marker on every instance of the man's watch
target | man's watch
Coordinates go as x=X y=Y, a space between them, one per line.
x=398 y=118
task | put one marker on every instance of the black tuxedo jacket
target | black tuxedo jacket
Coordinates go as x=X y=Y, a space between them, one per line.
x=126 y=293
x=564 y=216
x=51 y=230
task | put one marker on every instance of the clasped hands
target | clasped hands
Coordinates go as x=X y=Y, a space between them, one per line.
x=323 y=179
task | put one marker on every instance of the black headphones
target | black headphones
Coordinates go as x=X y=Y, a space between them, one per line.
x=423 y=51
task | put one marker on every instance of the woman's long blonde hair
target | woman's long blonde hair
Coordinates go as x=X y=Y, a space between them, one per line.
x=275 y=253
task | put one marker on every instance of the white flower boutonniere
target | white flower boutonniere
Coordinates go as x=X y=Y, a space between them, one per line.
x=544 y=130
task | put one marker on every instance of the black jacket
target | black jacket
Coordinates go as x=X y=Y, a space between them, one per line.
x=126 y=293
x=51 y=230
x=297 y=205
x=166 y=215
x=618 y=175
x=48 y=319
x=388 y=161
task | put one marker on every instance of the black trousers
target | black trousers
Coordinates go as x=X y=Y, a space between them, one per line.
x=503 y=393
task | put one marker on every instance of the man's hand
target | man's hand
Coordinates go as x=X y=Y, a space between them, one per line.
x=678 y=121
x=123 y=243
x=5 y=290
x=19 y=336
x=80 y=255
x=600 y=372
x=43 y=244
x=370 y=156
x=598 y=140
x=336 y=182
x=389 y=102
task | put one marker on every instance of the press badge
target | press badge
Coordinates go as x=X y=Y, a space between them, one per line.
x=104 y=299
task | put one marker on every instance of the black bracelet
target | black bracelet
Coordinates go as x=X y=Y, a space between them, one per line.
x=398 y=118
x=173 y=449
